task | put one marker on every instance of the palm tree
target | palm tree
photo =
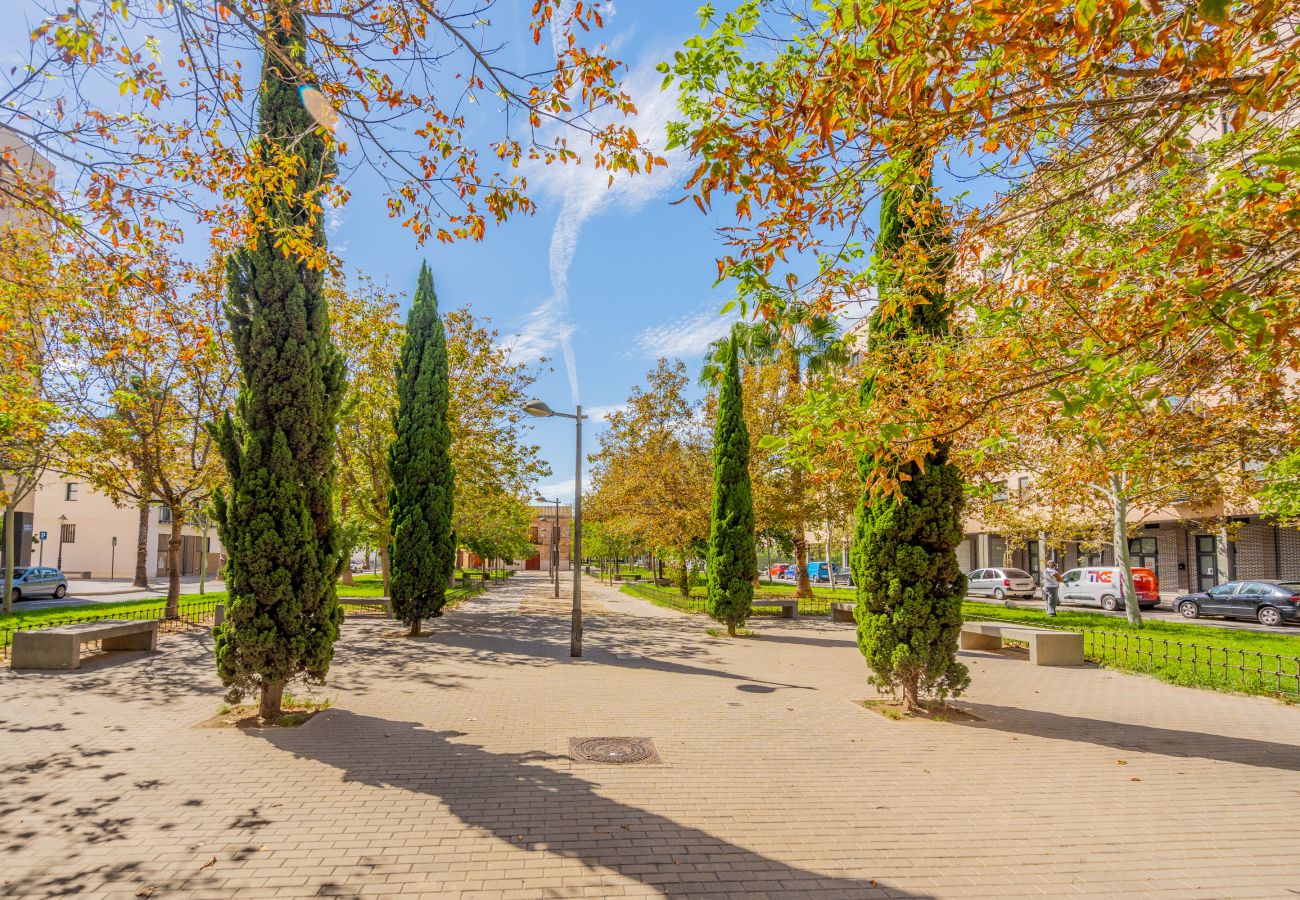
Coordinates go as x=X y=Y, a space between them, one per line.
x=803 y=343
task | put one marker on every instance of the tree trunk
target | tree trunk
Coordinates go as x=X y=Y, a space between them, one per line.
x=731 y=629
x=684 y=580
x=383 y=564
x=9 y=558
x=272 y=699
x=911 y=688
x=803 y=587
x=174 y=545
x=347 y=573
x=1119 y=504
x=142 y=547
x=415 y=627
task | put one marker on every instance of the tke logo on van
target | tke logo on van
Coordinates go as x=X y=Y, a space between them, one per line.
x=1100 y=577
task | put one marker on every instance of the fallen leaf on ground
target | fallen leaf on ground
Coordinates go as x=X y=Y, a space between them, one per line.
x=146 y=891
x=211 y=862
x=1121 y=762
x=1135 y=779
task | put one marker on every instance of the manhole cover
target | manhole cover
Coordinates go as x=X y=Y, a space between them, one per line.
x=616 y=750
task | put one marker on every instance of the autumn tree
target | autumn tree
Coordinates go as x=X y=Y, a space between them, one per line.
x=652 y=473
x=366 y=329
x=152 y=372
x=423 y=479
x=28 y=419
x=799 y=115
x=494 y=463
x=732 y=560
x=277 y=520
x=150 y=140
x=802 y=345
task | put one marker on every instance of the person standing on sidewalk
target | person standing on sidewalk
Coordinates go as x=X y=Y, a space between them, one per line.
x=1051 y=588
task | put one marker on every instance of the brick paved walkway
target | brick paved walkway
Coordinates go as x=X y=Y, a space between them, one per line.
x=442 y=770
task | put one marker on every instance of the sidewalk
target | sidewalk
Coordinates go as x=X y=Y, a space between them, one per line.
x=443 y=769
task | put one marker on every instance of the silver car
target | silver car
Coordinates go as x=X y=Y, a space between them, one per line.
x=39 y=581
x=1000 y=583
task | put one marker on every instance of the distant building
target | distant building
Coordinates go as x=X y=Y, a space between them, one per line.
x=98 y=540
x=550 y=534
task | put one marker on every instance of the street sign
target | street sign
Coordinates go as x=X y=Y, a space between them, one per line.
x=43 y=535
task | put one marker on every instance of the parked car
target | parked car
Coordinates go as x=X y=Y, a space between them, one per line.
x=1103 y=586
x=39 y=581
x=777 y=570
x=1268 y=602
x=844 y=576
x=1000 y=583
x=788 y=573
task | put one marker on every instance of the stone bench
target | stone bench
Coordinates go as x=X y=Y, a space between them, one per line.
x=60 y=647
x=789 y=608
x=842 y=611
x=621 y=576
x=1046 y=646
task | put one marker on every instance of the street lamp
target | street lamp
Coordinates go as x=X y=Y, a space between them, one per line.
x=542 y=411
x=62 y=528
x=553 y=552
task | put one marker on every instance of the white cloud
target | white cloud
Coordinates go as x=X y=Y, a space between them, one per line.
x=585 y=191
x=561 y=489
x=689 y=336
x=602 y=413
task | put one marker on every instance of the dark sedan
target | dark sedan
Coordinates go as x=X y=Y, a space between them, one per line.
x=1268 y=602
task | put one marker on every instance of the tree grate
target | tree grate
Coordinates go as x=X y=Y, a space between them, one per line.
x=619 y=751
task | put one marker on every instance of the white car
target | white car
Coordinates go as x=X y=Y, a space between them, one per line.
x=1000 y=584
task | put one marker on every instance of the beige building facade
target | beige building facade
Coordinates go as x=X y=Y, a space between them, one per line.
x=70 y=525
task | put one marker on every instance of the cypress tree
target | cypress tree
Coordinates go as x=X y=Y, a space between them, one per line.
x=277 y=521
x=419 y=461
x=732 y=558
x=909 y=585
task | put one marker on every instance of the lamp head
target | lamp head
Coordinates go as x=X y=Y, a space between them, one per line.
x=538 y=408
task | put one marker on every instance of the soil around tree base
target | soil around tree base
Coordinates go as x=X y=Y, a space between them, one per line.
x=933 y=712
x=291 y=716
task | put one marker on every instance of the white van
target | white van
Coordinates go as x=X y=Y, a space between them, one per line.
x=1103 y=586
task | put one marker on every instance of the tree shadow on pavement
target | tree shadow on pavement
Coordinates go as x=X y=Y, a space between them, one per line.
x=524 y=802
x=1137 y=738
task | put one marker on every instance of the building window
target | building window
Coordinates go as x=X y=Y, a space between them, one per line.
x=1142 y=552
x=164 y=515
x=70 y=491
x=68 y=534
x=1001 y=493
x=1023 y=485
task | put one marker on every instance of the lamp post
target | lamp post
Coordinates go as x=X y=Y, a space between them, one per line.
x=553 y=550
x=62 y=527
x=542 y=411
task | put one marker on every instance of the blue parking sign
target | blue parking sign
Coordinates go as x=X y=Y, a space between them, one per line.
x=43 y=534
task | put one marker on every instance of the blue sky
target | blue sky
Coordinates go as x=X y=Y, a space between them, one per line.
x=623 y=273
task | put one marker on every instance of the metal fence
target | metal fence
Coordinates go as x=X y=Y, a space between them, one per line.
x=1182 y=661
x=189 y=614
x=695 y=603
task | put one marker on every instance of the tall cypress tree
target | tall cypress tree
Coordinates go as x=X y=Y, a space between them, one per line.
x=909 y=585
x=732 y=559
x=277 y=521
x=419 y=460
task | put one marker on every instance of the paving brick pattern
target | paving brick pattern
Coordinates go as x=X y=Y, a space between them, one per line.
x=442 y=770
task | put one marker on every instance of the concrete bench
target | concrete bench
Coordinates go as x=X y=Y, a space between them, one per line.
x=789 y=608
x=60 y=647
x=1046 y=646
x=842 y=611
x=621 y=576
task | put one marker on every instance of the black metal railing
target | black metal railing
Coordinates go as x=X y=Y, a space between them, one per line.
x=1182 y=661
x=189 y=614
x=672 y=597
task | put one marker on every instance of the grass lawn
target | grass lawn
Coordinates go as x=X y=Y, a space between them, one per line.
x=1257 y=662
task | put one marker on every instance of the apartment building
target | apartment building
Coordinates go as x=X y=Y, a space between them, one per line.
x=80 y=530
